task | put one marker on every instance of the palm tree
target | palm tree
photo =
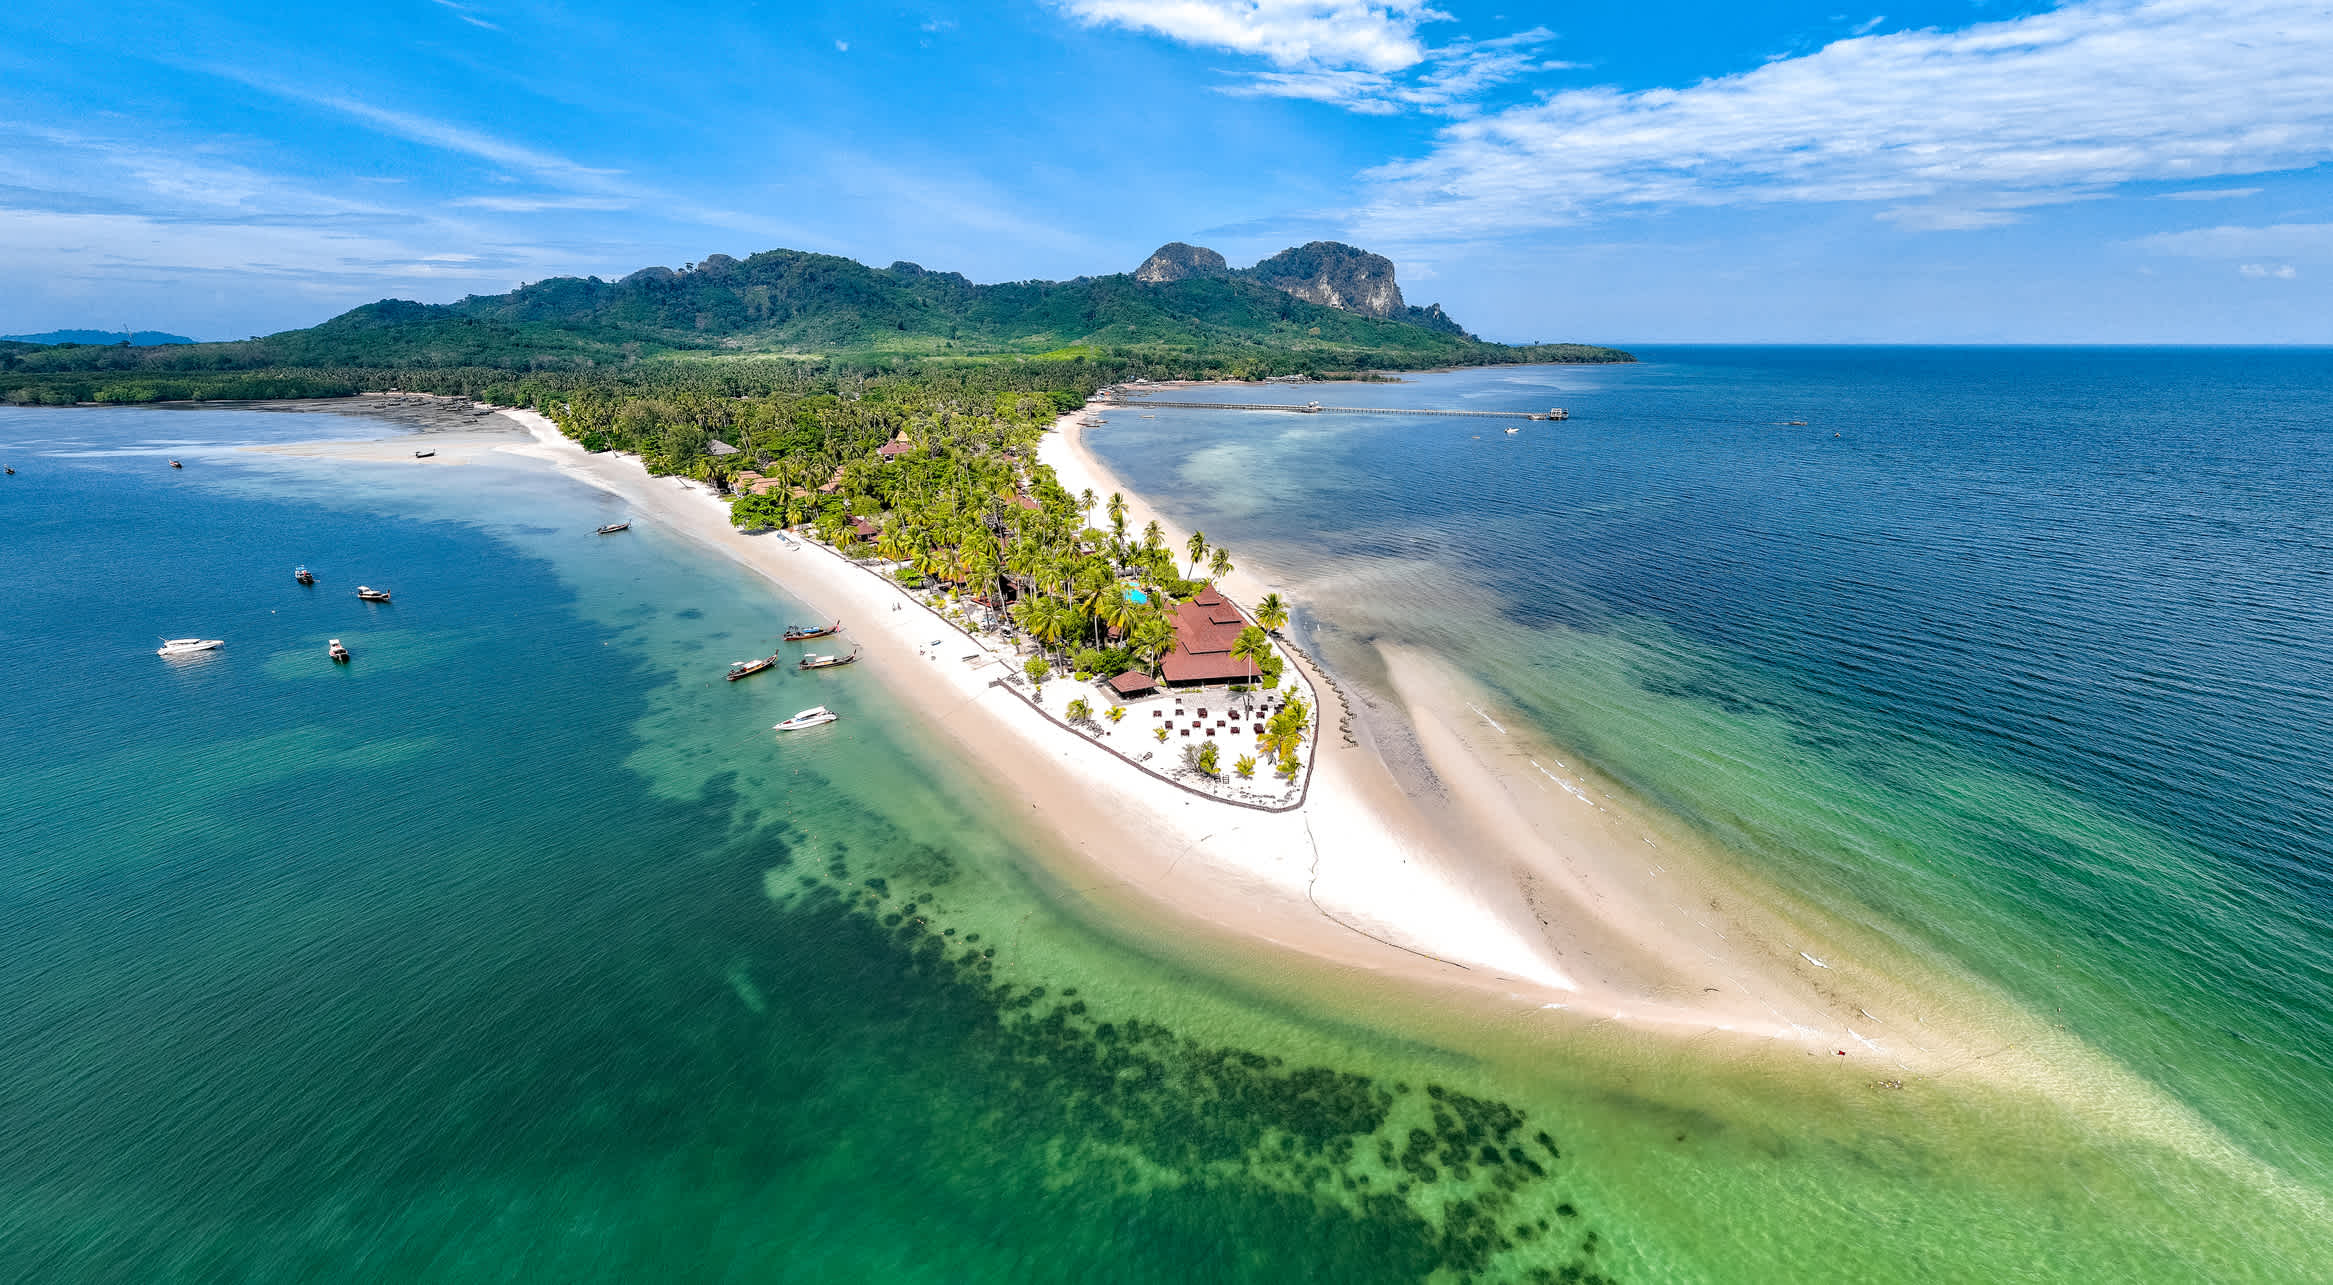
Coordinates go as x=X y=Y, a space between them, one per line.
x=1153 y=638
x=1095 y=588
x=1085 y=501
x=1272 y=613
x=1219 y=566
x=1197 y=547
x=1153 y=535
x=1118 y=611
x=1252 y=647
x=1117 y=512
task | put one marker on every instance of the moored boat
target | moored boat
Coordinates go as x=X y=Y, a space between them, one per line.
x=174 y=647
x=613 y=527
x=370 y=594
x=828 y=662
x=176 y=464
x=747 y=668
x=423 y=455
x=796 y=633
x=303 y=575
x=339 y=653
x=811 y=717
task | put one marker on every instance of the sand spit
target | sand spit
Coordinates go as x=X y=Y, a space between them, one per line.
x=1535 y=898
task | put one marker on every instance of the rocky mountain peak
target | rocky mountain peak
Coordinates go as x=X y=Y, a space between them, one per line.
x=1176 y=261
x=1335 y=275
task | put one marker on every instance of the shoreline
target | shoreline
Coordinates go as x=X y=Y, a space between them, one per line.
x=1508 y=906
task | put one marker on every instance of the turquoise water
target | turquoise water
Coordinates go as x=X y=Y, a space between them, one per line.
x=521 y=949
x=2024 y=655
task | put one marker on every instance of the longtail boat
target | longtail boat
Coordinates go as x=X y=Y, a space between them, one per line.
x=339 y=653
x=613 y=527
x=747 y=668
x=796 y=633
x=303 y=575
x=828 y=662
x=370 y=594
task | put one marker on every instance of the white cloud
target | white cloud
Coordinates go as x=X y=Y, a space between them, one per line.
x=1950 y=129
x=2282 y=271
x=2311 y=242
x=538 y=204
x=1379 y=37
x=2210 y=194
x=1366 y=58
x=842 y=46
x=466 y=14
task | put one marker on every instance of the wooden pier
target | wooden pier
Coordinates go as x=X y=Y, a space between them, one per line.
x=1315 y=408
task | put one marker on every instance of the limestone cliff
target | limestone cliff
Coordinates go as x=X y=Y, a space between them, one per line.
x=1335 y=275
x=1176 y=261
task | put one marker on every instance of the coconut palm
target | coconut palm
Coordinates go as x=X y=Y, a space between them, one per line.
x=1153 y=535
x=1153 y=638
x=1095 y=589
x=1219 y=565
x=1085 y=501
x=1117 y=512
x=1196 y=546
x=1272 y=613
x=1252 y=647
x=1118 y=612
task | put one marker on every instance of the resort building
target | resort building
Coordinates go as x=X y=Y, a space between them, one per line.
x=896 y=447
x=1205 y=629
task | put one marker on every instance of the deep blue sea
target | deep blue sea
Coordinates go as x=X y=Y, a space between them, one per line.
x=521 y=949
x=2027 y=653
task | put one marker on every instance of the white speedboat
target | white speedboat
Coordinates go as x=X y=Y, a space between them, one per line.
x=811 y=717
x=172 y=647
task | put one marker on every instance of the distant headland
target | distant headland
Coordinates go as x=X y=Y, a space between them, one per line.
x=133 y=338
x=771 y=319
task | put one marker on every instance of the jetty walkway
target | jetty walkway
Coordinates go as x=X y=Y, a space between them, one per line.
x=1315 y=408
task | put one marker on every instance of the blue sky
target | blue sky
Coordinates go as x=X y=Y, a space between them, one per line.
x=1665 y=171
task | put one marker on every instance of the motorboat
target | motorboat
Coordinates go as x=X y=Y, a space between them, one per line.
x=828 y=662
x=423 y=455
x=796 y=633
x=303 y=575
x=1512 y=431
x=172 y=648
x=748 y=668
x=811 y=717
x=370 y=594
x=613 y=527
x=339 y=653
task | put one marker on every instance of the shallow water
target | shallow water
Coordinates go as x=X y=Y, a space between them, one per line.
x=521 y=948
x=2025 y=655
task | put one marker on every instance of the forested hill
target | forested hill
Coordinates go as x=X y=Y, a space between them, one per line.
x=790 y=306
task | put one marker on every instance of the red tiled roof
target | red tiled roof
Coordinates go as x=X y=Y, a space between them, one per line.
x=867 y=530
x=1205 y=629
x=1132 y=683
x=889 y=450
